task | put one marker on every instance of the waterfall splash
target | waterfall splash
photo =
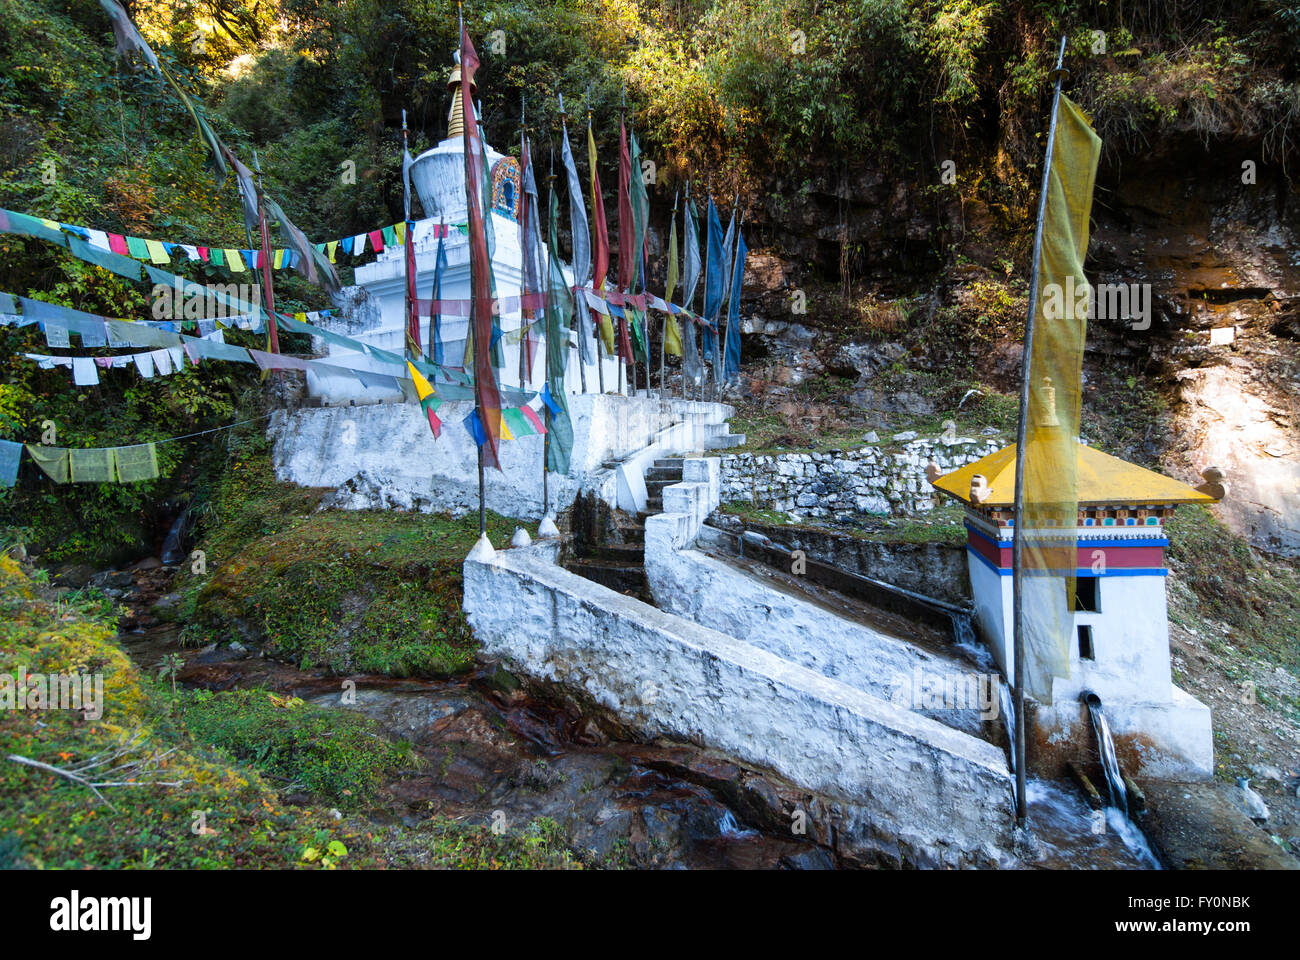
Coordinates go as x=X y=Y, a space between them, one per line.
x=1117 y=813
x=1106 y=747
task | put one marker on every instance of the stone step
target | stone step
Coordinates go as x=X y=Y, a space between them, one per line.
x=664 y=473
x=654 y=505
x=633 y=534
x=655 y=488
x=629 y=553
x=627 y=578
x=674 y=463
x=725 y=441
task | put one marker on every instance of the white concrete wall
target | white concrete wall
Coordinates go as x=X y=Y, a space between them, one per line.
x=897 y=783
x=715 y=594
x=380 y=456
x=1130 y=639
x=1173 y=739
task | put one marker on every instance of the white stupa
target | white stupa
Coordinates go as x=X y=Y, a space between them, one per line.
x=438 y=176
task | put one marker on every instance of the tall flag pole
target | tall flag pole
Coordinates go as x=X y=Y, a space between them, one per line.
x=268 y=291
x=581 y=246
x=731 y=347
x=626 y=244
x=728 y=250
x=601 y=232
x=714 y=281
x=559 y=317
x=691 y=366
x=1046 y=493
x=487 y=396
x=670 y=322
x=639 y=317
x=530 y=243
x=413 y=349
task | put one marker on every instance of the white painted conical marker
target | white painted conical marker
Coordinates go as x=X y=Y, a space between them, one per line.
x=547 y=528
x=482 y=551
x=521 y=538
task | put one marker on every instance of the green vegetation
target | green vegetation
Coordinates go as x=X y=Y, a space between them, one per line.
x=1235 y=586
x=348 y=591
x=333 y=754
x=48 y=821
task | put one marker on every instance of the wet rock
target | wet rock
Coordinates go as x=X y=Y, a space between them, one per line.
x=148 y=563
x=811 y=858
x=112 y=579
x=76 y=575
x=166 y=607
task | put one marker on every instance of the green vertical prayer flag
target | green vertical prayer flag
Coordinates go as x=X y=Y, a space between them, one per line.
x=136 y=463
x=53 y=460
x=92 y=465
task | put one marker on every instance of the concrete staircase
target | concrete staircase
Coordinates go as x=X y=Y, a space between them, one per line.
x=722 y=438
x=617 y=561
x=665 y=472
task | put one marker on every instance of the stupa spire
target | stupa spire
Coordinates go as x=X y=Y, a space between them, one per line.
x=456 y=116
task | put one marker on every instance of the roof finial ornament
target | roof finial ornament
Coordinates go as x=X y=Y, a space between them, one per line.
x=1047 y=406
x=1213 y=485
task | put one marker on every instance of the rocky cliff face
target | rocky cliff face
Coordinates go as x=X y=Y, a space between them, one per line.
x=1206 y=246
x=1222 y=257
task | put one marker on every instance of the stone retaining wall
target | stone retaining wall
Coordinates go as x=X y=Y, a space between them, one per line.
x=878 y=478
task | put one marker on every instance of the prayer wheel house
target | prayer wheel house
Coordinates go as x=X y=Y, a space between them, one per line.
x=1117 y=628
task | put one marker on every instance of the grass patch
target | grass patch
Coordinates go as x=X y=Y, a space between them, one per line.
x=351 y=591
x=333 y=754
x=49 y=822
x=1235 y=585
x=375 y=592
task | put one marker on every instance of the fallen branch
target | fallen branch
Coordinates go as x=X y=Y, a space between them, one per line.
x=94 y=785
x=59 y=772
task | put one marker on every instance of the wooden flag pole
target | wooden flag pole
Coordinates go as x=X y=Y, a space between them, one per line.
x=474 y=306
x=1017 y=543
x=406 y=254
x=582 y=367
x=268 y=291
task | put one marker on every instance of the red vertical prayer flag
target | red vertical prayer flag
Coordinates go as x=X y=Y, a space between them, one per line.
x=376 y=240
x=627 y=254
x=117 y=243
x=486 y=394
x=412 y=304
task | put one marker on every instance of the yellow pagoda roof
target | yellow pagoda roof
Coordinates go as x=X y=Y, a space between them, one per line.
x=1103 y=479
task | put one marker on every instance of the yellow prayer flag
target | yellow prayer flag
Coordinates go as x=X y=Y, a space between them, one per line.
x=422 y=387
x=157 y=252
x=234 y=261
x=400 y=230
x=330 y=249
x=1051 y=493
x=672 y=337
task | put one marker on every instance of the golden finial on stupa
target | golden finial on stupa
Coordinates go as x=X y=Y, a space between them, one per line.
x=456 y=116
